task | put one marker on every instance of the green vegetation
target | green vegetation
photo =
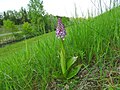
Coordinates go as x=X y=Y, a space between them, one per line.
x=27 y=29
x=33 y=22
x=9 y=25
x=32 y=64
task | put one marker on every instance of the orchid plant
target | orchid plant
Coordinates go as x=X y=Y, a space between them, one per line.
x=68 y=70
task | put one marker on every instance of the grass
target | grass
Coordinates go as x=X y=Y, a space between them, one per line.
x=19 y=46
x=31 y=64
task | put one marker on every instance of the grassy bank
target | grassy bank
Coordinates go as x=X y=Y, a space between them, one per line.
x=31 y=64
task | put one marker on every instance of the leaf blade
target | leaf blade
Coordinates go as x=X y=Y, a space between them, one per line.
x=74 y=71
x=71 y=62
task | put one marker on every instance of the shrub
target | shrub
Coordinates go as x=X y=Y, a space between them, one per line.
x=27 y=29
x=9 y=25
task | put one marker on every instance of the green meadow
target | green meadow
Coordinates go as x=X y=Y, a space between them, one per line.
x=31 y=64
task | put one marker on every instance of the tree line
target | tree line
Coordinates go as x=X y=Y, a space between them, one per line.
x=34 y=20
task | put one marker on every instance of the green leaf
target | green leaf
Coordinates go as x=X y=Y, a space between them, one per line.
x=63 y=62
x=71 y=62
x=74 y=71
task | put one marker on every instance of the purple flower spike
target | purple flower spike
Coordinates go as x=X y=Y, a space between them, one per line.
x=60 y=30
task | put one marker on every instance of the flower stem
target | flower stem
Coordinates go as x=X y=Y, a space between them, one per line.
x=62 y=59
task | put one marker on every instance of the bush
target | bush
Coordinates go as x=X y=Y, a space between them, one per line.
x=9 y=25
x=27 y=29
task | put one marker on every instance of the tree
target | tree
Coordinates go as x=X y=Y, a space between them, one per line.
x=27 y=29
x=10 y=25
x=23 y=15
x=50 y=22
x=36 y=14
x=5 y=15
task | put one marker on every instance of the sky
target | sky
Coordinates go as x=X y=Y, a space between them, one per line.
x=12 y=4
x=60 y=7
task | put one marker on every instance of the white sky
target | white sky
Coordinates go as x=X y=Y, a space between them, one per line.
x=58 y=7
x=12 y=4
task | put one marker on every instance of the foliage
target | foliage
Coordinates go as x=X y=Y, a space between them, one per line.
x=36 y=13
x=27 y=29
x=68 y=70
x=40 y=21
x=9 y=25
x=50 y=22
x=23 y=15
x=17 y=17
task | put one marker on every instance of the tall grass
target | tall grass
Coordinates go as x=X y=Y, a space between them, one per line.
x=95 y=41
